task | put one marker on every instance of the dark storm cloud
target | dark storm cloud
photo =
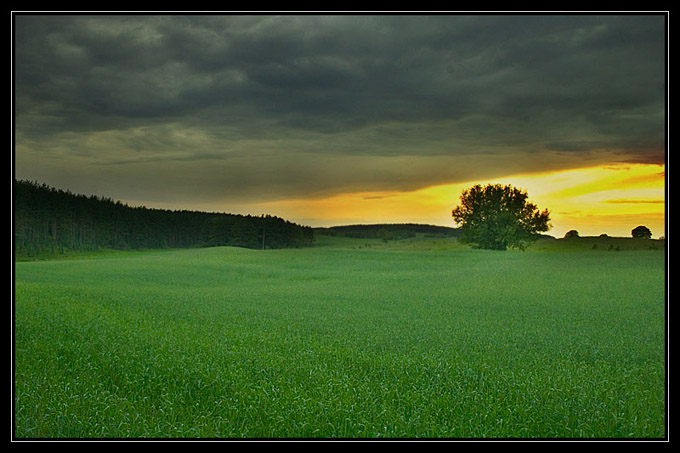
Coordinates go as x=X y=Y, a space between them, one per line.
x=215 y=88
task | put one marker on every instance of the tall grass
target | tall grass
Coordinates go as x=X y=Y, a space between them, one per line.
x=342 y=341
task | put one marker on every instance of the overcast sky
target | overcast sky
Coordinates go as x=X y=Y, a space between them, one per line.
x=226 y=109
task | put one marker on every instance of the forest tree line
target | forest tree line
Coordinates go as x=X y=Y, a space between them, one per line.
x=54 y=221
x=392 y=231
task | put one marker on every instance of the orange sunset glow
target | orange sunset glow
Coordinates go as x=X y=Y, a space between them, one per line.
x=610 y=199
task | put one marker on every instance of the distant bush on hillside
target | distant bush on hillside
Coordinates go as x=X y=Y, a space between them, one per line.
x=641 y=232
x=571 y=234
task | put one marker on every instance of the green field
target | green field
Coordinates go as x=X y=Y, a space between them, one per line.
x=352 y=338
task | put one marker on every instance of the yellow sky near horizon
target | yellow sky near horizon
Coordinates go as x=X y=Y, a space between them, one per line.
x=611 y=199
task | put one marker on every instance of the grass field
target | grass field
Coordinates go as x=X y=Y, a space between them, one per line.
x=352 y=339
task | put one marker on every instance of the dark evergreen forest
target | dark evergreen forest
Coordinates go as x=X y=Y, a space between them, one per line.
x=54 y=221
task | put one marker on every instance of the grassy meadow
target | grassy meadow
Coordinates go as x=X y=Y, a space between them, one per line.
x=352 y=338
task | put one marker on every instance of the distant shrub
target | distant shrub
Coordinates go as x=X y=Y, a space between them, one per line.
x=571 y=234
x=641 y=232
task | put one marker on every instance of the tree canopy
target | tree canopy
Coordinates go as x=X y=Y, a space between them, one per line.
x=499 y=216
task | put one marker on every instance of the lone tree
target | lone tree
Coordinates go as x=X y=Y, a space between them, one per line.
x=641 y=232
x=497 y=217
